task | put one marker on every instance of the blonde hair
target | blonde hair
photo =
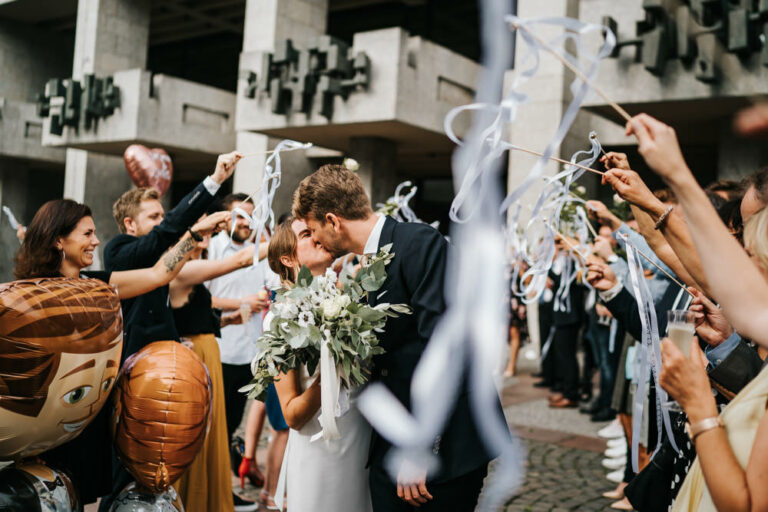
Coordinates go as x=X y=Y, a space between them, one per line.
x=756 y=237
x=283 y=243
x=129 y=204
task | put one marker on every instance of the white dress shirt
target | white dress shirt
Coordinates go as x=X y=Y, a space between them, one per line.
x=238 y=342
x=372 y=245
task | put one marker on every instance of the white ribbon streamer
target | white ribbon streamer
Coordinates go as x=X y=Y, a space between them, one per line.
x=330 y=383
x=262 y=210
x=11 y=218
x=650 y=356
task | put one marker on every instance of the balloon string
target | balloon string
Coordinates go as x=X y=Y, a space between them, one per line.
x=554 y=158
x=623 y=113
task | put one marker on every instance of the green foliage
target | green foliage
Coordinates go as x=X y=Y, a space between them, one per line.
x=315 y=311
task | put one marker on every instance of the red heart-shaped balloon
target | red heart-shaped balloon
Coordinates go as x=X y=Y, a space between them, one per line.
x=148 y=167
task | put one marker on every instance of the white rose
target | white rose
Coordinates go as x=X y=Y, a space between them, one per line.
x=331 y=309
x=617 y=199
x=343 y=300
x=351 y=164
x=581 y=190
x=290 y=310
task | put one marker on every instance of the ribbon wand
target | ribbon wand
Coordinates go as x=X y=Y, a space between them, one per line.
x=11 y=218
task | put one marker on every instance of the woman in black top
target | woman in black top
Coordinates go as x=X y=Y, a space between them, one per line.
x=59 y=242
x=207 y=484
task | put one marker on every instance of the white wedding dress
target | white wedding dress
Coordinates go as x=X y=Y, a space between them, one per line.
x=330 y=476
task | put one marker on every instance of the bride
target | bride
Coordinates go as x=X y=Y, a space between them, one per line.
x=321 y=475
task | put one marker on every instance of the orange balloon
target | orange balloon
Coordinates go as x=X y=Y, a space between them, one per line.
x=149 y=167
x=60 y=346
x=162 y=412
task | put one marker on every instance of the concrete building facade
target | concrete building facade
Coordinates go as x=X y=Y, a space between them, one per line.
x=367 y=79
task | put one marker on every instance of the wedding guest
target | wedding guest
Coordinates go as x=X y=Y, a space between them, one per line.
x=60 y=242
x=207 y=484
x=244 y=290
x=730 y=464
x=146 y=232
x=320 y=475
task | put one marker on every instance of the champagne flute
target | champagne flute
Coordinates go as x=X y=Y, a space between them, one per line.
x=680 y=329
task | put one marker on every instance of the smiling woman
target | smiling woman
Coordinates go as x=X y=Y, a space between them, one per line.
x=61 y=240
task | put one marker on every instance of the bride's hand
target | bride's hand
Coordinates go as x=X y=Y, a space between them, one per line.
x=412 y=484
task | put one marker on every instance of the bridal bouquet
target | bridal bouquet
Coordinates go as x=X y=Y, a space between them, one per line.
x=317 y=321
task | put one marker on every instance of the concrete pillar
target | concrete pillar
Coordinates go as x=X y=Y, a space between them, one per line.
x=537 y=121
x=266 y=23
x=378 y=166
x=111 y=35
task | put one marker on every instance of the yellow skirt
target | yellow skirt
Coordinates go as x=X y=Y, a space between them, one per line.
x=207 y=484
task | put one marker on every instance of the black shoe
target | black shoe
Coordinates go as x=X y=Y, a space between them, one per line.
x=590 y=408
x=603 y=415
x=542 y=384
x=585 y=396
x=244 y=504
x=236 y=450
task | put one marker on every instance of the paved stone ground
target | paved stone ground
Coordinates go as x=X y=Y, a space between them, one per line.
x=563 y=467
x=563 y=460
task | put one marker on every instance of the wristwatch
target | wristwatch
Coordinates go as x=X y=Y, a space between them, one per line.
x=702 y=426
x=195 y=235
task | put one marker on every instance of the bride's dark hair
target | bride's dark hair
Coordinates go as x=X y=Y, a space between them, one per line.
x=283 y=243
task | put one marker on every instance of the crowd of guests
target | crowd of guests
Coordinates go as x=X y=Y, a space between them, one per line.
x=704 y=250
x=184 y=275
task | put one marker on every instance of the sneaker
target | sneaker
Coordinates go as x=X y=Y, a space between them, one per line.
x=618 y=451
x=244 y=504
x=616 y=476
x=617 y=463
x=612 y=430
x=616 y=441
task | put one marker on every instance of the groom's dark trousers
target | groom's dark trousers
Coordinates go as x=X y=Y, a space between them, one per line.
x=416 y=277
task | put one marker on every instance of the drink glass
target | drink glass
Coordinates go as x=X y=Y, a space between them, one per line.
x=680 y=330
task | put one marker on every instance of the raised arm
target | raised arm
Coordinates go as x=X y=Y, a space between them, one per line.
x=726 y=265
x=673 y=245
x=199 y=271
x=132 y=283
x=136 y=252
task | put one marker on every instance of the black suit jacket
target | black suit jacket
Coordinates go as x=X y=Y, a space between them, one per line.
x=416 y=277
x=148 y=317
x=729 y=377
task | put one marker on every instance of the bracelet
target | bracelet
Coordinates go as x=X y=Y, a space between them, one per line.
x=702 y=426
x=195 y=236
x=663 y=217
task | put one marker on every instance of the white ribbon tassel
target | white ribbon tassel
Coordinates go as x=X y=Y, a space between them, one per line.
x=330 y=384
x=650 y=356
x=11 y=218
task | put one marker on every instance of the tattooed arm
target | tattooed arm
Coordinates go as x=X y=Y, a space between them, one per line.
x=132 y=283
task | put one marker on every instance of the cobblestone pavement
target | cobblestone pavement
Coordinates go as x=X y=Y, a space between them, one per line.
x=563 y=467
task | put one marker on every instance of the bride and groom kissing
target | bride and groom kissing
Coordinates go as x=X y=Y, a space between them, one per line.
x=332 y=217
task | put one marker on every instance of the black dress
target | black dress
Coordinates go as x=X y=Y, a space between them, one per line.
x=87 y=459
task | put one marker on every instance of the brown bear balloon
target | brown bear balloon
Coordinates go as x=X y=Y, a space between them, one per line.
x=60 y=343
x=162 y=410
x=148 y=167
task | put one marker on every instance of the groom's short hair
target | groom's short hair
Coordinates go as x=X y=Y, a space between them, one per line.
x=331 y=189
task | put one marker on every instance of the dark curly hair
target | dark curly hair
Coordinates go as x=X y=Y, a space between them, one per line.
x=38 y=256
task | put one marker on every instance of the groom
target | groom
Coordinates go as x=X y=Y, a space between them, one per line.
x=333 y=203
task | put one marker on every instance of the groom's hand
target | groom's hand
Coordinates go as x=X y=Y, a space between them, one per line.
x=412 y=485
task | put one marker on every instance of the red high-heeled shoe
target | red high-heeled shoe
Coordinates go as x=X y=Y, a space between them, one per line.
x=245 y=471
